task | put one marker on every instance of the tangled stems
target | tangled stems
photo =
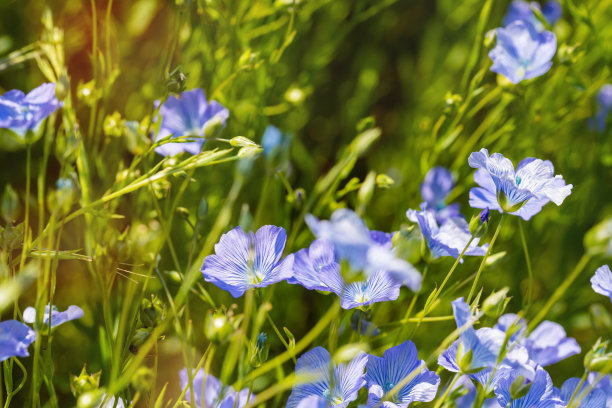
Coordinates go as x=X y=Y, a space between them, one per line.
x=484 y=259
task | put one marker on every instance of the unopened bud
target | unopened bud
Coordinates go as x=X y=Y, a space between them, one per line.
x=259 y=350
x=249 y=152
x=84 y=382
x=384 y=181
x=151 y=312
x=139 y=337
x=518 y=388
x=494 y=305
x=212 y=127
x=597 y=358
x=366 y=191
x=241 y=141
x=480 y=223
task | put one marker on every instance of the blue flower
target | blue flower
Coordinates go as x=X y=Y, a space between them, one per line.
x=601 y=282
x=484 y=344
x=57 y=317
x=547 y=344
x=215 y=394
x=242 y=261
x=449 y=239
x=522 y=52
x=383 y=374
x=15 y=337
x=353 y=241
x=274 y=141
x=378 y=287
x=317 y=375
x=360 y=320
x=313 y=401
x=541 y=392
x=605 y=386
x=435 y=188
x=310 y=264
x=604 y=104
x=189 y=114
x=520 y=10
x=595 y=399
x=20 y=112
x=522 y=192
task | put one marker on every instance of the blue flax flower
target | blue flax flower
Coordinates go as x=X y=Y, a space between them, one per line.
x=449 y=239
x=311 y=264
x=484 y=344
x=601 y=282
x=15 y=337
x=541 y=392
x=595 y=399
x=435 y=188
x=20 y=112
x=353 y=241
x=547 y=344
x=522 y=192
x=397 y=363
x=522 y=52
x=57 y=317
x=189 y=114
x=215 y=394
x=317 y=375
x=246 y=260
x=605 y=386
x=274 y=142
x=604 y=104
x=520 y=10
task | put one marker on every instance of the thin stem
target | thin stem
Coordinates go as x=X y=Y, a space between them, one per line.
x=559 y=292
x=582 y=380
x=448 y=275
x=528 y=261
x=447 y=391
x=484 y=259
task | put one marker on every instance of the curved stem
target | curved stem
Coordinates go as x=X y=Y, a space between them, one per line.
x=484 y=259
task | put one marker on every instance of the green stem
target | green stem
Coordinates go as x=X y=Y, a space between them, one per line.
x=559 y=292
x=582 y=380
x=529 y=270
x=447 y=391
x=484 y=259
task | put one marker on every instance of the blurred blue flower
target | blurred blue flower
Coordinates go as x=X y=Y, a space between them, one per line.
x=435 y=188
x=15 y=337
x=547 y=344
x=189 y=114
x=541 y=392
x=595 y=399
x=449 y=239
x=319 y=376
x=367 y=327
x=20 y=112
x=601 y=282
x=479 y=348
x=246 y=260
x=522 y=52
x=522 y=192
x=310 y=264
x=354 y=242
x=313 y=401
x=397 y=363
x=520 y=10
x=215 y=394
x=605 y=386
x=378 y=287
x=57 y=317
x=604 y=104
x=274 y=141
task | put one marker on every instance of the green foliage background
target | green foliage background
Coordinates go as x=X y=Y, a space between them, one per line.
x=314 y=69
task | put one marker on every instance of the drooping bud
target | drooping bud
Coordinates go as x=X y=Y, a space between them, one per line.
x=480 y=223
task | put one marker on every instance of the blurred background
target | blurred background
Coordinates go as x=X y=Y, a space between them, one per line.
x=320 y=71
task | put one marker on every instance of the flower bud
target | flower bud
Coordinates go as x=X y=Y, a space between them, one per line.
x=241 y=141
x=212 y=127
x=84 y=382
x=366 y=191
x=597 y=358
x=218 y=326
x=62 y=86
x=143 y=379
x=249 y=152
x=494 y=305
x=113 y=125
x=480 y=223
x=91 y=399
x=139 y=337
x=384 y=181
x=259 y=350
x=489 y=38
x=151 y=311
x=464 y=361
x=202 y=208
x=518 y=388
x=176 y=80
